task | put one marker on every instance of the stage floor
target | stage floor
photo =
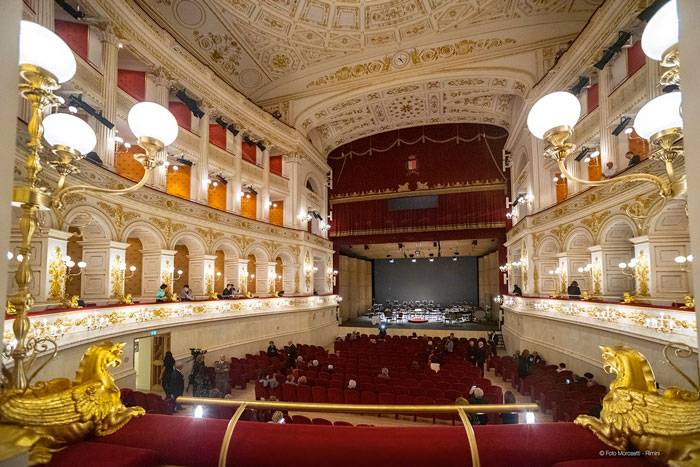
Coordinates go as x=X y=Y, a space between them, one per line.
x=366 y=322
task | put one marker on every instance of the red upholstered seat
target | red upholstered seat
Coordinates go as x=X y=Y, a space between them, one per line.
x=335 y=396
x=261 y=392
x=139 y=399
x=342 y=423
x=321 y=421
x=304 y=393
x=351 y=396
x=104 y=455
x=318 y=394
x=127 y=397
x=368 y=397
x=300 y=420
x=289 y=392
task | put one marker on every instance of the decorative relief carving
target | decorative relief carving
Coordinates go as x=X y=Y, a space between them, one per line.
x=167 y=227
x=118 y=215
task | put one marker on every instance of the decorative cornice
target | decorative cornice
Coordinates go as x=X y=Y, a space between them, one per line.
x=421 y=190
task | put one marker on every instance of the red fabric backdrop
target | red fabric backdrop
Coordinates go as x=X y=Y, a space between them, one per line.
x=217 y=136
x=592 y=98
x=249 y=153
x=133 y=83
x=481 y=209
x=450 y=162
x=276 y=165
x=75 y=35
x=182 y=114
x=635 y=58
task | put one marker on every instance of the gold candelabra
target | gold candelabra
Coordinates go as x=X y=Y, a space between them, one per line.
x=119 y=278
x=41 y=75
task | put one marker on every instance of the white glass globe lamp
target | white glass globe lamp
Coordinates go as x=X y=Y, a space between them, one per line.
x=659 y=115
x=152 y=124
x=68 y=131
x=42 y=48
x=556 y=110
x=661 y=32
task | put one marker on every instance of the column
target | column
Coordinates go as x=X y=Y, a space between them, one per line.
x=231 y=271
x=271 y=277
x=527 y=266
x=9 y=40
x=612 y=282
x=242 y=284
x=230 y=193
x=653 y=76
x=45 y=13
x=157 y=269
x=102 y=257
x=294 y=171
x=690 y=76
x=262 y=286
x=235 y=183
x=105 y=136
x=265 y=192
x=201 y=179
x=48 y=269
x=202 y=275
x=158 y=91
x=607 y=140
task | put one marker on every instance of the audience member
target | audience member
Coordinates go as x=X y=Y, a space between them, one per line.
x=470 y=355
x=516 y=291
x=303 y=380
x=278 y=417
x=352 y=384
x=632 y=159
x=290 y=379
x=574 y=291
x=476 y=397
x=162 y=292
x=168 y=367
x=186 y=294
x=609 y=170
x=523 y=364
x=221 y=378
x=590 y=380
x=562 y=367
x=384 y=374
x=272 y=349
x=509 y=417
x=228 y=292
x=450 y=345
x=481 y=354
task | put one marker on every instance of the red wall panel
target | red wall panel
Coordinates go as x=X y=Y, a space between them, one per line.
x=75 y=35
x=250 y=153
x=217 y=136
x=276 y=165
x=635 y=58
x=441 y=159
x=133 y=83
x=592 y=98
x=182 y=114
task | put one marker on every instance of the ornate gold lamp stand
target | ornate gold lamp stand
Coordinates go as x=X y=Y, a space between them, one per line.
x=69 y=138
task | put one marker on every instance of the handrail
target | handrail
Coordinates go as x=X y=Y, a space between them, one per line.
x=461 y=410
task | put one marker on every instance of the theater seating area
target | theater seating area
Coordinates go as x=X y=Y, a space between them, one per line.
x=555 y=392
x=152 y=403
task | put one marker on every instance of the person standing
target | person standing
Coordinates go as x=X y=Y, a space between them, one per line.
x=168 y=367
x=221 y=378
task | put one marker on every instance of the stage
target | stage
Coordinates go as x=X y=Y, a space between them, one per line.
x=365 y=321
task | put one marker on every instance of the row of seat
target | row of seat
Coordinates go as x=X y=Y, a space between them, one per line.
x=152 y=403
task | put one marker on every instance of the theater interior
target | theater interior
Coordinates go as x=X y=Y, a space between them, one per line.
x=349 y=233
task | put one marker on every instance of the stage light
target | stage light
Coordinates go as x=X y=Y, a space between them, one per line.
x=431 y=259
x=413 y=260
x=391 y=260
x=628 y=130
x=454 y=259
x=199 y=412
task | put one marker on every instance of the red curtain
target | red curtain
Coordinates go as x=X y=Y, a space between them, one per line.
x=75 y=35
x=217 y=136
x=635 y=58
x=480 y=209
x=276 y=165
x=249 y=153
x=182 y=114
x=453 y=162
x=592 y=98
x=133 y=83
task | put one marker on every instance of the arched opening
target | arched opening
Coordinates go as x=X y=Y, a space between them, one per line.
x=250 y=284
x=133 y=283
x=143 y=240
x=319 y=272
x=279 y=275
x=75 y=250
x=182 y=263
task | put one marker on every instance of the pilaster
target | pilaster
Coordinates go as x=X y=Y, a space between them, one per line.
x=157 y=268
x=201 y=280
x=105 y=136
x=102 y=257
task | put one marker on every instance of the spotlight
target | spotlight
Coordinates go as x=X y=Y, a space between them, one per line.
x=580 y=84
x=72 y=109
x=391 y=260
x=624 y=121
x=78 y=102
x=190 y=103
x=595 y=154
x=454 y=259
x=413 y=260
x=176 y=168
x=431 y=259
x=629 y=130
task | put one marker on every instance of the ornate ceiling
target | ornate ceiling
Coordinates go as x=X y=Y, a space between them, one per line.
x=302 y=58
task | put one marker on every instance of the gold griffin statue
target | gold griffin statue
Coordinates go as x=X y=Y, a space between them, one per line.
x=49 y=415
x=635 y=416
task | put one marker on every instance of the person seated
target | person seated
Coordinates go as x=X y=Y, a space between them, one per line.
x=352 y=384
x=609 y=171
x=331 y=368
x=278 y=417
x=290 y=379
x=574 y=291
x=562 y=367
x=272 y=349
x=509 y=418
x=476 y=397
x=590 y=380
x=384 y=374
x=228 y=292
x=302 y=380
x=517 y=291
x=186 y=294
x=162 y=293
x=632 y=159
